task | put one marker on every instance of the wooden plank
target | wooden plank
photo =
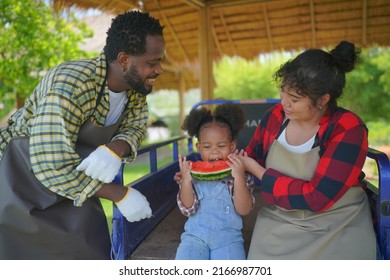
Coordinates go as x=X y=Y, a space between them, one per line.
x=268 y=28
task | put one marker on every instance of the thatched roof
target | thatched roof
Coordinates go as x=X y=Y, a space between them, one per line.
x=200 y=31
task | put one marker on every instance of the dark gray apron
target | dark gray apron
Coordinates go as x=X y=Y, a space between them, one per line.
x=36 y=223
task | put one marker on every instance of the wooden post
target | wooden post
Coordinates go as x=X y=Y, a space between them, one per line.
x=206 y=78
x=181 y=101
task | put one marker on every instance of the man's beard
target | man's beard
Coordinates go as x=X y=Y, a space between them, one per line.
x=135 y=81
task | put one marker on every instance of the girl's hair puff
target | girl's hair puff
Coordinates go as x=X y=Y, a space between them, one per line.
x=228 y=114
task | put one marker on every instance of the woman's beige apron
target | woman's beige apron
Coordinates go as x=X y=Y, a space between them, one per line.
x=36 y=223
x=344 y=231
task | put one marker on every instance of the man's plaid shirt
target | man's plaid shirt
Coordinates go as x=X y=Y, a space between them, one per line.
x=342 y=138
x=52 y=116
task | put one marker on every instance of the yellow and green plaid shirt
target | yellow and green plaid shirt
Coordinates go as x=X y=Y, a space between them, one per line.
x=52 y=116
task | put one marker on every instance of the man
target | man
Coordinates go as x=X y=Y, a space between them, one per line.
x=62 y=150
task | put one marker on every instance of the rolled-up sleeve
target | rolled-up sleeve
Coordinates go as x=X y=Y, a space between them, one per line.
x=191 y=210
x=133 y=127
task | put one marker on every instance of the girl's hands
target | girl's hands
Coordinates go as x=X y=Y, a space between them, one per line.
x=185 y=168
x=177 y=178
x=184 y=179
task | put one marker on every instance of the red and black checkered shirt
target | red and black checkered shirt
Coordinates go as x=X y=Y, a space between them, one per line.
x=343 y=142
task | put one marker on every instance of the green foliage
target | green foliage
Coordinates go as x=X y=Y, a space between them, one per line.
x=367 y=92
x=164 y=105
x=34 y=38
x=237 y=78
x=378 y=133
x=368 y=87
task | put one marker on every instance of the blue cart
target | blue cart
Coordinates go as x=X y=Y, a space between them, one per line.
x=161 y=190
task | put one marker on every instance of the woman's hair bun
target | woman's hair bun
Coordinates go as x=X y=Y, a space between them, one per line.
x=346 y=55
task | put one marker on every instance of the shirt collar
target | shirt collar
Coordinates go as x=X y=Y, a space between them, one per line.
x=101 y=71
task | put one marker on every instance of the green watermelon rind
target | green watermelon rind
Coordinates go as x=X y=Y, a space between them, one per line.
x=211 y=176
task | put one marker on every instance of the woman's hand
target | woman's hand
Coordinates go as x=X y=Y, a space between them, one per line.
x=240 y=152
x=250 y=165
x=243 y=201
x=237 y=165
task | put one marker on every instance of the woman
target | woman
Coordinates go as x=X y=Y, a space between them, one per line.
x=308 y=154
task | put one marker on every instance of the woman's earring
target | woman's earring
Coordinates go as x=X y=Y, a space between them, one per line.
x=124 y=69
x=320 y=107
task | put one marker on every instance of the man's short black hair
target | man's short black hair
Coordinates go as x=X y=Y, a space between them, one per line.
x=128 y=33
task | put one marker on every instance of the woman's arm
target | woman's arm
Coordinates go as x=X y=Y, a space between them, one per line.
x=242 y=198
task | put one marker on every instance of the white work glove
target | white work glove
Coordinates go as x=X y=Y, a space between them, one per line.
x=102 y=164
x=134 y=206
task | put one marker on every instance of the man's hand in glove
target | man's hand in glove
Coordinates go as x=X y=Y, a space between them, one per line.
x=134 y=206
x=102 y=164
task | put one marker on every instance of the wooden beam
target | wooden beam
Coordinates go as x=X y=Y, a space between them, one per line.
x=198 y=4
x=181 y=101
x=205 y=55
x=312 y=24
x=364 y=23
x=171 y=30
x=216 y=41
x=225 y=3
x=268 y=28
x=168 y=9
x=225 y=27
x=169 y=68
x=127 y=3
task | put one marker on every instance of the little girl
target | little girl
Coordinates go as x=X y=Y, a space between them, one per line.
x=213 y=208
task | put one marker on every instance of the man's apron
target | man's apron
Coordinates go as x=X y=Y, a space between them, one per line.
x=344 y=231
x=36 y=223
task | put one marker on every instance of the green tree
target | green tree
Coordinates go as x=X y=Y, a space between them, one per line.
x=34 y=38
x=237 y=78
x=367 y=92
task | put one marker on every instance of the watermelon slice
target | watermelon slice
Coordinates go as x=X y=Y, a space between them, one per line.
x=210 y=170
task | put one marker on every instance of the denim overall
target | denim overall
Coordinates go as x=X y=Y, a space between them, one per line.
x=214 y=231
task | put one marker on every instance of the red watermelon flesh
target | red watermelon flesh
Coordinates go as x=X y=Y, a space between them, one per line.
x=210 y=170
